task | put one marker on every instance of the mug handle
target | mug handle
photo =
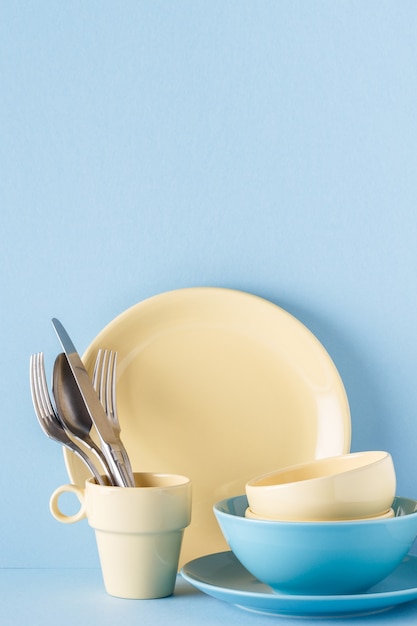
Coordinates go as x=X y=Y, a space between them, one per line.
x=56 y=511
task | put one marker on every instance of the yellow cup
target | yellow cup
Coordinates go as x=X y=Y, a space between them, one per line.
x=138 y=530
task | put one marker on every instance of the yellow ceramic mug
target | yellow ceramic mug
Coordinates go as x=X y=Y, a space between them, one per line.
x=138 y=530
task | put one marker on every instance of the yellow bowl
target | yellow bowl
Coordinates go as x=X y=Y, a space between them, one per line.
x=350 y=486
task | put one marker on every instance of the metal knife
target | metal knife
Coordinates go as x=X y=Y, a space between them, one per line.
x=112 y=445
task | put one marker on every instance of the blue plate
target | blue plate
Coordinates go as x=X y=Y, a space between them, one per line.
x=223 y=577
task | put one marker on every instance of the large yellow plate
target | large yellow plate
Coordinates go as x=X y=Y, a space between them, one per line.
x=219 y=385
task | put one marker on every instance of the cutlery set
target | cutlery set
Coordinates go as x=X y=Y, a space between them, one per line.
x=138 y=530
x=79 y=406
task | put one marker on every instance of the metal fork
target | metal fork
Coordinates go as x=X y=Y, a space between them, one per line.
x=104 y=382
x=47 y=415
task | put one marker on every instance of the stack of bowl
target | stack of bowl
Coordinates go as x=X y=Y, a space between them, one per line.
x=332 y=526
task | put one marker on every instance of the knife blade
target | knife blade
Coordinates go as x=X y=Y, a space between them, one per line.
x=111 y=444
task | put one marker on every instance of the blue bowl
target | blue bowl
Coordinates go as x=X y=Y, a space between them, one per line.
x=318 y=558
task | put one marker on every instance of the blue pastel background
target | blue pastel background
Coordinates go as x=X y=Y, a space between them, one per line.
x=265 y=146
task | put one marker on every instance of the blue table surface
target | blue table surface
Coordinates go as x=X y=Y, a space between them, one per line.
x=77 y=597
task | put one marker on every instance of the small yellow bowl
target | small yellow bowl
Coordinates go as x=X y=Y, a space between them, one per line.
x=351 y=486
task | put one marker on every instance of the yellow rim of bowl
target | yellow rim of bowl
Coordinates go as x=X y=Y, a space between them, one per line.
x=386 y=514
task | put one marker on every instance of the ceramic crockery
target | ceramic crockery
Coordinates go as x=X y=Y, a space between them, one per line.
x=197 y=366
x=349 y=486
x=318 y=557
x=138 y=530
x=221 y=576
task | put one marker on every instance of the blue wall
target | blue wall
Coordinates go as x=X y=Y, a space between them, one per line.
x=146 y=146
